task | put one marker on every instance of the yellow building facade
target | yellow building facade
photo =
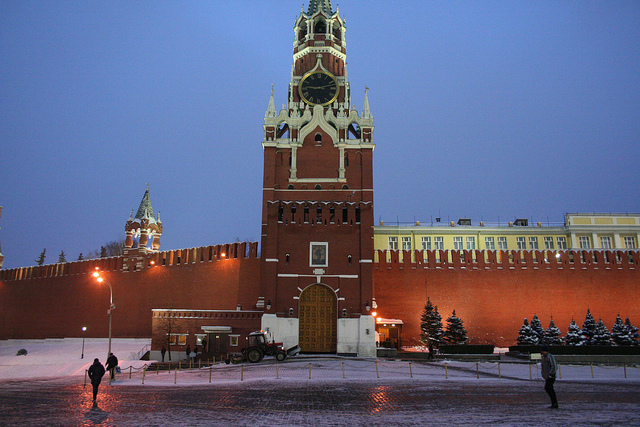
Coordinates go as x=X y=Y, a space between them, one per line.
x=579 y=231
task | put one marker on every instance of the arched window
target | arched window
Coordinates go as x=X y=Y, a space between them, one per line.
x=320 y=27
x=318 y=138
x=318 y=187
x=346 y=160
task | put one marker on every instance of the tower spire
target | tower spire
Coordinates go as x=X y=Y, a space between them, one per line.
x=366 y=112
x=322 y=5
x=271 y=109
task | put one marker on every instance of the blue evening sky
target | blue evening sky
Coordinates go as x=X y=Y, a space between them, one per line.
x=491 y=110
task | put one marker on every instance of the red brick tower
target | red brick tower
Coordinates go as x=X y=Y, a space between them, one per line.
x=317 y=209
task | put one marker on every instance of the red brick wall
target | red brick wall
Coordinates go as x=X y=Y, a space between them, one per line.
x=492 y=300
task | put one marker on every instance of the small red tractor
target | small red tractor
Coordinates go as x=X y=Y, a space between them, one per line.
x=258 y=346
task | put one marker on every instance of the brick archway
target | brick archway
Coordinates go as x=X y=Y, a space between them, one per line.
x=318 y=319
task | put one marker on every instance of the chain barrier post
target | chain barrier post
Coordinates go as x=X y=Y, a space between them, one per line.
x=410 y=370
x=130 y=367
x=241 y=372
x=446 y=371
x=175 y=376
x=377 y=373
x=157 y=368
x=277 y=371
x=199 y=361
x=592 y=370
x=477 y=371
x=559 y=371
x=144 y=370
x=210 y=371
x=179 y=364
x=625 y=371
x=343 y=370
x=499 y=371
x=85 y=377
x=530 y=373
x=309 y=370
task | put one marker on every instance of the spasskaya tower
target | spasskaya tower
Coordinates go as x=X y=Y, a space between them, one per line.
x=317 y=206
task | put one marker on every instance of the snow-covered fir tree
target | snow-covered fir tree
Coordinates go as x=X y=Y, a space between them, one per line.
x=633 y=332
x=536 y=327
x=431 y=326
x=588 y=329
x=573 y=336
x=455 y=332
x=526 y=335
x=620 y=333
x=601 y=335
x=552 y=335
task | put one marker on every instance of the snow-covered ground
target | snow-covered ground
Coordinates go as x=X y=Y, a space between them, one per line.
x=304 y=390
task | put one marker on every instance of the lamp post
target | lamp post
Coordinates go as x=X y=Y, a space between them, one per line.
x=84 y=328
x=112 y=306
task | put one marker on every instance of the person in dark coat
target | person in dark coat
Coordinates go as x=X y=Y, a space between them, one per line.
x=96 y=372
x=188 y=351
x=548 y=370
x=112 y=362
x=163 y=352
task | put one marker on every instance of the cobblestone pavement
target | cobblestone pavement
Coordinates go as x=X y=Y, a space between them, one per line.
x=65 y=402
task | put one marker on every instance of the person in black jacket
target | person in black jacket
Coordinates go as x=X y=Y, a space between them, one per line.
x=112 y=362
x=96 y=372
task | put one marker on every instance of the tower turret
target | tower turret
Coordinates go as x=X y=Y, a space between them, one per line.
x=143 y=230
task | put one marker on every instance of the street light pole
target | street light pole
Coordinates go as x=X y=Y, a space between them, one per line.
x=84 y=328
x=111 y=305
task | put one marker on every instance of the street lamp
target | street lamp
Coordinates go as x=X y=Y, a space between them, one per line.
x=84 y=328
x=112 y=306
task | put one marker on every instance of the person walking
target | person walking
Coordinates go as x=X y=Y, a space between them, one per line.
x=548 y=371
x=112 y=362
x=96 y=372
x=188 y=351
x=163 y=352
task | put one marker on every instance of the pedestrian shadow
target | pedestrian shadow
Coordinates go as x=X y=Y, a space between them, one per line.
x=96 y=415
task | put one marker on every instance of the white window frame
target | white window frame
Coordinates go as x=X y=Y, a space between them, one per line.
x=533 y=243
x=605 y=242
x=630 y=242
x=457 y=243
x=406 y=243
x=562 y=243
x=178 y=339
x=438 y=243
x=393 y=243
x=490 y=243
x=584 y=242
x=521 y=243
x=502 y=244
x=234 y=340
x=471 y=243
x=426 y=243
x=548 y=243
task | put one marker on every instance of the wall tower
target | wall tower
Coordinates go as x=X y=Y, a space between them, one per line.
x=317 y=208
x=142 y=233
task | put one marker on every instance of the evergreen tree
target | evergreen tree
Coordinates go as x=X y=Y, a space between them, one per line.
x=620 y=333
x=40 y=259
x=601 y=335
x=80 y=257
x=526 y=335
x=431 y=326
x=538 y=330
x=62 y=257
x=573 y=334
x=552 y=335
x=633 y=332
x=588 y=329
x=455 y=332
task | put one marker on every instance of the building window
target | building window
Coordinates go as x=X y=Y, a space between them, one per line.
x=521 y=243
x=533 y=243
x=630 y=242
x=457 y=243
x=406 y=243
x=426 y=243
x=605 y=242
x=233 y=340
x=438 y=243
x=585 y=242
x=562 y=243
x=393 y=243
x=502 y=243
x=548 y=243
x=490 y=243
x=471 y=243
x=178 y=339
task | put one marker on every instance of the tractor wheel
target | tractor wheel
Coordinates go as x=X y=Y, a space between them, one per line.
x=254 y=355
x=280 y=356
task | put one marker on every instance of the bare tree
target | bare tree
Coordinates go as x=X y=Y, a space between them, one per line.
x=109 y=249
x=166 y=326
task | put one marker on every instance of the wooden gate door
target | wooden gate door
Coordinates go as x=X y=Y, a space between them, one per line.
x=318 y=320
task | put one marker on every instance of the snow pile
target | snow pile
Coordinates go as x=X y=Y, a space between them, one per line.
x=61 y=357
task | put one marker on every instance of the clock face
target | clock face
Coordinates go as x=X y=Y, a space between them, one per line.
x=318 y=87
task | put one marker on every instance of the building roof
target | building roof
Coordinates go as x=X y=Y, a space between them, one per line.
x=145 y=211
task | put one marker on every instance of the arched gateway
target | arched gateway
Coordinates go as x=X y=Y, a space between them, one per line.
x=318 y=319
